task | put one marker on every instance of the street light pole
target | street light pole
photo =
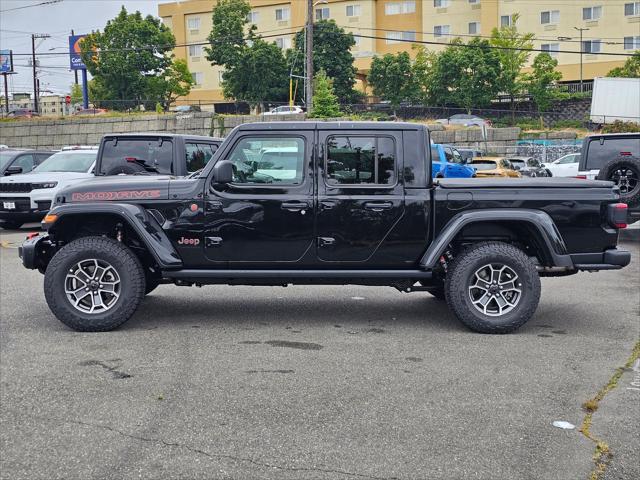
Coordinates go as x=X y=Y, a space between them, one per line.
x=309 y=55
x=35 y=73
x=581 y=53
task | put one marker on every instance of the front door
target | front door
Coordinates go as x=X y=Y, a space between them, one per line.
x=266 y=215
x=360 y=195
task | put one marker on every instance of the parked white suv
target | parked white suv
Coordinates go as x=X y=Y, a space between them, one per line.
x=284 y=110
x=27 y=197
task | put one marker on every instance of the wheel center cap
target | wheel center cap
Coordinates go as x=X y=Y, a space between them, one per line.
x=493 y=289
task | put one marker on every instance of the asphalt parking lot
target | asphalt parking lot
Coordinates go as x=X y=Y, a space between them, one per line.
x=318 y=383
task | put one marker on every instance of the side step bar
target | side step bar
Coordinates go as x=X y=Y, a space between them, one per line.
x=307 y=274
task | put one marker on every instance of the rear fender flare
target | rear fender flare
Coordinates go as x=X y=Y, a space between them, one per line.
x=144 y=224
x=554 y=245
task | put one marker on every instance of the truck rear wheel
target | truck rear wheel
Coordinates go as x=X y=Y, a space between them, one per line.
x=493 y=287
x=94 y=284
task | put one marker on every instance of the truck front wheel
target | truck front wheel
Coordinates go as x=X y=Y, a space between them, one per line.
x=493 y=287
x=94 y=284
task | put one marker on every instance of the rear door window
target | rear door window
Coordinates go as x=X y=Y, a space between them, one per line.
x=603 y=149
x=356 y=160
x=137 y=155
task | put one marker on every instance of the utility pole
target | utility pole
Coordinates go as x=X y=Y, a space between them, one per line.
x=309 y=55
x=581 y=53
x=35 y=73
x=75 y=72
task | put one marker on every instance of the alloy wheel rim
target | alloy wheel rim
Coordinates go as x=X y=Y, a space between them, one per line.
x=626 y=179
x=92 y=286
x=495 y=289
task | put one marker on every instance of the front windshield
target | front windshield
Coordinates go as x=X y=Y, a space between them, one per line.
x=518 y=163
x=5 y=158
x=484 y=165
x=68 y=162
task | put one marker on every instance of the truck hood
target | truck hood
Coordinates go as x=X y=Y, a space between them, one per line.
x=118 y=188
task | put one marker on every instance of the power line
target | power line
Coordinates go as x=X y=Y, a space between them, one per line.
x=30 y=6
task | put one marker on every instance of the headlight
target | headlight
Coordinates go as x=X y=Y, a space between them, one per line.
x=44 y=185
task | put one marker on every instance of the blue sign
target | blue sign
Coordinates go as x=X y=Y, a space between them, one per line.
x=74 y=52
x=6 y=65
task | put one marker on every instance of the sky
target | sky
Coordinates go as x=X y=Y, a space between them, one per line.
x=57 y=20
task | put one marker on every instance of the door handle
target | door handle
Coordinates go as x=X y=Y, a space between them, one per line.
x=295 y=206
x=213 y=241
x=327 y=205
x=378 y=206
x=213 y=205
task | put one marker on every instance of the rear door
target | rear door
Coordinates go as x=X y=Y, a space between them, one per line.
x=360 y=193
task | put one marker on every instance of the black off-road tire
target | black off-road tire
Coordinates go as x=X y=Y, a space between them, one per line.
x=628 y=164
x=128 y=267
x=9 y=225
x=461 y=274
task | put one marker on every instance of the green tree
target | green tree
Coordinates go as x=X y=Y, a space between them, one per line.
x=430 y=81
x=331 y=53
x=542 y=82
x=255 y=70
x=325 y=102
x=514 y=50
x=176 y=82
x=129 y=51
x=227 y=38
x=392 y=78
x=75 y=94
x=469 y=74
x=258 y=75
x=630 y=69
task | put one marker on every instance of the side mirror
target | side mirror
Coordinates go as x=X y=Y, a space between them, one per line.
x=13 y=170
x=223 y=172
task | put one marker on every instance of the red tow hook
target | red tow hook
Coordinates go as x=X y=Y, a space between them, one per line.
x=32 y=235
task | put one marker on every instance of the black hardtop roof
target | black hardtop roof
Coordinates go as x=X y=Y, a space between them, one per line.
x=320 y=125
x=164 y=134
x=612 y=135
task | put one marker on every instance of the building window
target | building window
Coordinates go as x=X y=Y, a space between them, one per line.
x=441 y=3
x=393 y=37
x=631 y=43
x=283 y=14
x=474 y=28
x=591 y=46
x=550 y=17
x=398 y=8
x=505 y=21
x=474 y=1
x=253 y=17
x=591 y=13
x=283 y=43
x=193 y=23
x=195 y=50
x=440 y=30
x=551 y=48
x=198 y=77
x=322 y=13
x=358 y=41
x=220 y=76
x=632 y=9
x=353 y=10
x=409 y=35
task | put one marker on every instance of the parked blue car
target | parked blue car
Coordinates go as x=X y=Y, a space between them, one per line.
x=446 y=162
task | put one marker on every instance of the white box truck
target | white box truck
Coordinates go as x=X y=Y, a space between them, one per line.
x=615 y=99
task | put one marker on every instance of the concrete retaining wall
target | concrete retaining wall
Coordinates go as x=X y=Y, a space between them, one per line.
x=89 y=130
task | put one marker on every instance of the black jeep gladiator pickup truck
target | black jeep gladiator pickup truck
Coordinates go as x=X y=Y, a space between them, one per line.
x=323 y=203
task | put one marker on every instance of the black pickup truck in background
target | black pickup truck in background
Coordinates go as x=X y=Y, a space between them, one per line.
x=321 y=203
x=154 y=153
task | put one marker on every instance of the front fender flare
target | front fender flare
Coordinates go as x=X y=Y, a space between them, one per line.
x=541 y=221
x=144 y=224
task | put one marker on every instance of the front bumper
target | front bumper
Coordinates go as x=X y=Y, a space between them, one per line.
x=26 y=209
x=611 y=259
x=36 y=252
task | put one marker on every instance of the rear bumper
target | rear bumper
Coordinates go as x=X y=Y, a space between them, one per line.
x=612 y=259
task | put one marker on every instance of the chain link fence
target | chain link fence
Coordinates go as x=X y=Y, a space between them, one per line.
x=543 y=151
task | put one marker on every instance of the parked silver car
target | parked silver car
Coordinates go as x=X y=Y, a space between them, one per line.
x=465 y=120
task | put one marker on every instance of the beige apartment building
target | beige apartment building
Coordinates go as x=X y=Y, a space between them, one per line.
x=389 y=26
